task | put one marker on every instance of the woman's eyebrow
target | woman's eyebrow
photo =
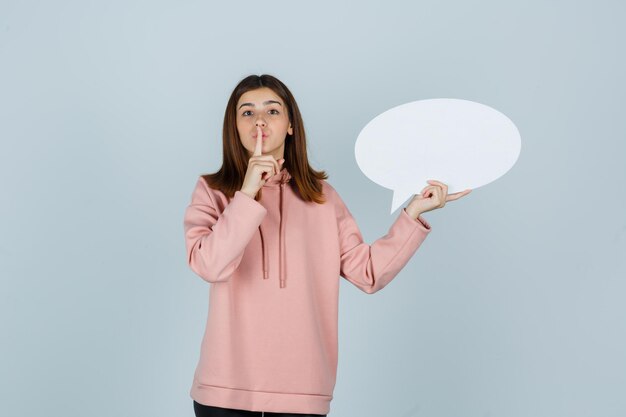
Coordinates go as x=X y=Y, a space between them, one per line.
x=265 y=103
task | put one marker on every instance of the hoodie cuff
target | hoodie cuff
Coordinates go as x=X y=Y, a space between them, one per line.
x=244 y=201
x=420 y=221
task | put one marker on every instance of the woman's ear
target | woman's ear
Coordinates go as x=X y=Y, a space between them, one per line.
x=290 y=130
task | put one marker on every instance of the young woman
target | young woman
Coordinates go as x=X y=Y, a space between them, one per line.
x=272 y=237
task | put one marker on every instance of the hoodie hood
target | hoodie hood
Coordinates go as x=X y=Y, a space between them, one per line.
x=278 y=180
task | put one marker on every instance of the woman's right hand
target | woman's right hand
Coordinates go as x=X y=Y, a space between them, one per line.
x=260 y=168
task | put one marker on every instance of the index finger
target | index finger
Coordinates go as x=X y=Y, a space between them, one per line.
x=259 y=142
x=458 y=195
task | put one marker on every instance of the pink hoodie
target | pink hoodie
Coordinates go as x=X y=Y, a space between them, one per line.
x=273 y=265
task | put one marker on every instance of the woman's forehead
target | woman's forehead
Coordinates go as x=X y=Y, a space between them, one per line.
x=260 y=96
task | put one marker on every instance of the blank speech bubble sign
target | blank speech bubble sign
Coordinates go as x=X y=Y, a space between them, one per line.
x=461 y=143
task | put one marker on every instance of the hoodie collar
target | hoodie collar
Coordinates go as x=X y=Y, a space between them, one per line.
x=282 y=177
x=279 y=180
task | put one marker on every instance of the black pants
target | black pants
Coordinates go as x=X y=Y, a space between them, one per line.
x=202 y=410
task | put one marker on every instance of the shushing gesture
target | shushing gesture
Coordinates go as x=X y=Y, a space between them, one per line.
x=260 y=168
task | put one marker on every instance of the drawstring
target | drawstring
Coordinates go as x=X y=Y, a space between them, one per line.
x=282 y=255
x=264 y=254
x=282 y=249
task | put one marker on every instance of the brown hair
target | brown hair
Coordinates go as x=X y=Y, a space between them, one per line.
x=305 y=181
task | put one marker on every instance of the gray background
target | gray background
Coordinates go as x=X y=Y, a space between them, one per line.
x=513 y=306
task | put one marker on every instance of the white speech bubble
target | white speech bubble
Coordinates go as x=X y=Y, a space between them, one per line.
x=461 y=143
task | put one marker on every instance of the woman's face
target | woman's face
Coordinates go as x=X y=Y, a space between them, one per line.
x=262 y=107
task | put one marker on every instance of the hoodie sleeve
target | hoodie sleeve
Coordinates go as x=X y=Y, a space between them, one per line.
x=372 y=267
x=216 y=242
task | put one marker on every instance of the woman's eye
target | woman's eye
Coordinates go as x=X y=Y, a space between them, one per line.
x=245 y=113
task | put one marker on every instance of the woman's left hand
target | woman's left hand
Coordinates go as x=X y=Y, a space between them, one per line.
x=432 y=197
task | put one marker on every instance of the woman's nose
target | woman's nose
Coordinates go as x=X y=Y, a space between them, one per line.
x=260 y=122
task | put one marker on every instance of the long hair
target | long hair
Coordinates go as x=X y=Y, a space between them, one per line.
x=305 y=181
